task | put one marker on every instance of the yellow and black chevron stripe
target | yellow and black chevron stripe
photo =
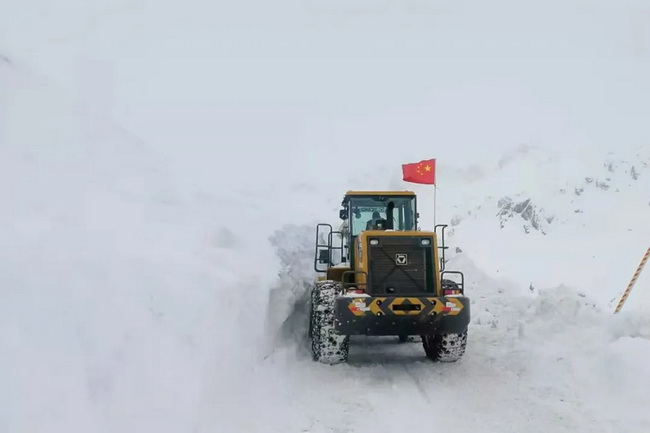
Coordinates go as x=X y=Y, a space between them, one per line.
x=412 y=306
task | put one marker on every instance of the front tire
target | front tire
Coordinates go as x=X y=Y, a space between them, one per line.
x=327 y=345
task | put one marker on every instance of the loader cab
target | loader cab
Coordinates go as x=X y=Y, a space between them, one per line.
x=396 y=210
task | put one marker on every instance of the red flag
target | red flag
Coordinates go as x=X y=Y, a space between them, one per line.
x=420 y=172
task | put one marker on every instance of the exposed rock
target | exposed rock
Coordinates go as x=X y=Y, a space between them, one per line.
x=525 y=209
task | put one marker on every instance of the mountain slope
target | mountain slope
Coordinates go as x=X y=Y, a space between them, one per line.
x=549 y=219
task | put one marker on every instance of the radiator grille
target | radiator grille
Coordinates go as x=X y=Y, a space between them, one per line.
x=397 y=265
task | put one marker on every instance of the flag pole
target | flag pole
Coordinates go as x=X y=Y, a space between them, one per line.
x=434 y=206
x=435 y=193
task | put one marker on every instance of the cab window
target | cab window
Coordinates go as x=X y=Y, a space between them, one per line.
x=363 y=208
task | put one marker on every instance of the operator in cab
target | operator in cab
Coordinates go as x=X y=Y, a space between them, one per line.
x=372 y=223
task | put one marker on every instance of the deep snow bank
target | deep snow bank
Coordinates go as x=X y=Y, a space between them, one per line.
x=118 y=287
x=288 y=301
x=564 y=347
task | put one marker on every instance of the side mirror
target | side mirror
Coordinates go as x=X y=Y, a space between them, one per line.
x=324 y=256
x=343 y=214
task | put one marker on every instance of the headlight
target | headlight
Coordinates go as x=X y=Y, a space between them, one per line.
x=374 y=241
x=426 y=241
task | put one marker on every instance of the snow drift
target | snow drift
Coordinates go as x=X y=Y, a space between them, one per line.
x=117 y=286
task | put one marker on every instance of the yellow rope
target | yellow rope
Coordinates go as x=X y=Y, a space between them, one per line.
x=633 y=281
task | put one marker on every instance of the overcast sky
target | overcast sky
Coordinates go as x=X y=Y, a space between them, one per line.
x=325 y=83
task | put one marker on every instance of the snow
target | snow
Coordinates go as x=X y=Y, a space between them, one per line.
x=116 y=287
x=356 y=295
x=163 y=166
x=595 y=237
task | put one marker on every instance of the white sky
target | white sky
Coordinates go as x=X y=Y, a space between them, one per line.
x=325 y=83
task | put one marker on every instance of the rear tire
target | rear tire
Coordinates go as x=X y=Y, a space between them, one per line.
x=327 y=345
x=449 y=285
x=445 y=347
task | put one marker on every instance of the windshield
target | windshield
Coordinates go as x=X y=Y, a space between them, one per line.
x=365 y=209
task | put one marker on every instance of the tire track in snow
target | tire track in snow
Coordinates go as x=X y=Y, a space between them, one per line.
x=418 y=384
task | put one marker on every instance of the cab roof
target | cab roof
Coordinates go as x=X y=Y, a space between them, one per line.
x=400 y=193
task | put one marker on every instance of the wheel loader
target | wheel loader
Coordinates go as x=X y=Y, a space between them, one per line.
x=381 y=275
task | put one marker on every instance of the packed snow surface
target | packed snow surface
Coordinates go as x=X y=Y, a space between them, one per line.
x=163 y=166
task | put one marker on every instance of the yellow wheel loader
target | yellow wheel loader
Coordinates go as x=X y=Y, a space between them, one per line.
x=381 y=275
